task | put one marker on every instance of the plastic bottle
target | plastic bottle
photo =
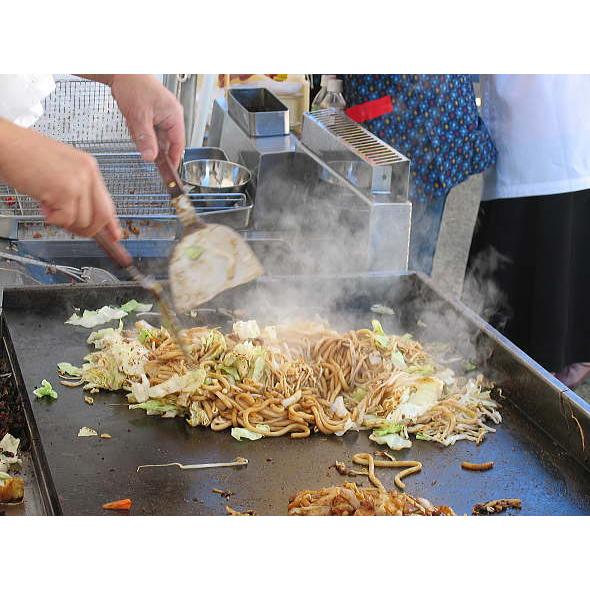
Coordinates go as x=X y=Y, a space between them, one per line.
x=315 y=105
x=333 y=99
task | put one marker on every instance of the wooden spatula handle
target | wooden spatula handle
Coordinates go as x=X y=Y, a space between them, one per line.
x=169 y=174
x=115 y=250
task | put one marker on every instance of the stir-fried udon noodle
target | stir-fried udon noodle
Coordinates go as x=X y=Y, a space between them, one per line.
x=293 y=380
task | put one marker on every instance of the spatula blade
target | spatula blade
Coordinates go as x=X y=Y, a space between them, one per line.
x=208 y=261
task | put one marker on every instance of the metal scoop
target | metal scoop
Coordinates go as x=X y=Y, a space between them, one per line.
x=209 y=258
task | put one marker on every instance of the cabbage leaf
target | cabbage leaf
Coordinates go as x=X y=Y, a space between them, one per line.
x=45 y=390
x=69 y=369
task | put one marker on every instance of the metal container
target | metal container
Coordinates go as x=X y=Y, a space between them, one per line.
x=367 y=162
x=215 y=176
x=258 y=112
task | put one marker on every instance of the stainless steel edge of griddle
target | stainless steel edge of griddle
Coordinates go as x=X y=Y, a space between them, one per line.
x=40 y=497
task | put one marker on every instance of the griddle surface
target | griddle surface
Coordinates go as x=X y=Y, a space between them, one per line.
x=86 y=472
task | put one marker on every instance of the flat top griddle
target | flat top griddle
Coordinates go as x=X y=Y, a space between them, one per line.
x=83 y=473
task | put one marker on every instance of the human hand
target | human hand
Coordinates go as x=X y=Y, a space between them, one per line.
x=65 y=181
x=150 y=108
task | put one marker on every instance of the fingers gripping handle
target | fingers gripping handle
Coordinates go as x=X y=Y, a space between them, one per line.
x=169 y=174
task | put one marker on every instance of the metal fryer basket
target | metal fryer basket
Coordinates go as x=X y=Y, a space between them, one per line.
x=84 y=114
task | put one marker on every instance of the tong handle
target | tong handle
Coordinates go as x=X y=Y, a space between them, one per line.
x=114 y=249
x=169 y=174
x=175 y=187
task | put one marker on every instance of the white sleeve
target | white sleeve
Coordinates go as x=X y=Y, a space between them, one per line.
x=21 y=96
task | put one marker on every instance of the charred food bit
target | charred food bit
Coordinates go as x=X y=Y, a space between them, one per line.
x=342 y=469
x=495 y=506
x=223 y=493
x=12 y=491
x=477 y=466
x=350 y=500
x=233 y=512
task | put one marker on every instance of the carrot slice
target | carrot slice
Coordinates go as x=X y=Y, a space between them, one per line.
x=118 y=505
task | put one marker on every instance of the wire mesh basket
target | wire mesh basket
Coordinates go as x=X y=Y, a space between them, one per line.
x=83 y=113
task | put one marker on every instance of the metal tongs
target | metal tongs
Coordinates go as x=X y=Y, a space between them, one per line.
x=86 y=274
x=119 y=254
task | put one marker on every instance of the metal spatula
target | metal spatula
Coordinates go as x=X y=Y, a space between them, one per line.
x=209 y=258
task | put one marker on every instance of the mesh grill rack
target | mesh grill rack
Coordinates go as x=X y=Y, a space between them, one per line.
x=357 y=138
x=83 y=114
x=374 y=166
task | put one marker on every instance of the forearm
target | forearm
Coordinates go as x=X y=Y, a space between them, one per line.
x=13 y=144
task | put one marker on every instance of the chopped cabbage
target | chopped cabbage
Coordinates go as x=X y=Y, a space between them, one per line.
x=189 y=383
x=349 y=425
x=241 y=433
x=246 y=348
x=394 y=441
x=9 y=444
x=45 y=390
x=379 y=335
x=197 y=415
x=135 y=306
x=420 y=436
x=388 y=428
x=116 y=360
x=68 y=369
x=427 y=392
x=8 y=453
x=421 y=369
x=247 y=330
x=90 y=319
x=155 y=406
x=398 y=361
x=359 y=394
x=338 y=407
x=258 y=369
x=93 y=318
x=231 y=371
x=87 y=431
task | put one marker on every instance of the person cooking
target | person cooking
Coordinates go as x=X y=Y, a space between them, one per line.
x=532 y=233
x=433 y=120
x=66 y=181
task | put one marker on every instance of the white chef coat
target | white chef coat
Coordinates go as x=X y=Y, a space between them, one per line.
x=21 y=96
x=541 y=128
